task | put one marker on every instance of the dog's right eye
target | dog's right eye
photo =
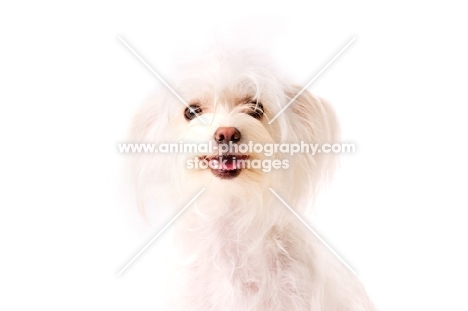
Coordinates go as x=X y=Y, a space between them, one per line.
x=192 y=111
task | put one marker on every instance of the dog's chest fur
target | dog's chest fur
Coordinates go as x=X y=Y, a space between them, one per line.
x=243 y=259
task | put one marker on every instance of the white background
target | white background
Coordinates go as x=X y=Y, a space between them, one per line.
x=68 y=88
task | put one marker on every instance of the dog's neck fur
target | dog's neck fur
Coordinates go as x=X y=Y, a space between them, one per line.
x=246 y=246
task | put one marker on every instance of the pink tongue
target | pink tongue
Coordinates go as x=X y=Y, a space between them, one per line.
x=223 y=164
x=229 y=165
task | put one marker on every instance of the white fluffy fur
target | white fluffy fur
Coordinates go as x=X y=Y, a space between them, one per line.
x=241 y=248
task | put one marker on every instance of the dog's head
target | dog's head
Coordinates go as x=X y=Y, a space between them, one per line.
x=223 y=103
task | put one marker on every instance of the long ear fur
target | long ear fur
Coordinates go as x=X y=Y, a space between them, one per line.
x=313 y=121
x=148 y=127
x=143 y=123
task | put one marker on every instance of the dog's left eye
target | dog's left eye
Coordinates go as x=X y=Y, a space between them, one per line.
x=256 y=110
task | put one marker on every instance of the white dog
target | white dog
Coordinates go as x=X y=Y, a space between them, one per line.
x=241 y=247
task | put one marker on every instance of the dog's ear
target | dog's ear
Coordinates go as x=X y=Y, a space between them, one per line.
x=147 y=127
x=314 y=122
x=315 y=116
x=145 y=122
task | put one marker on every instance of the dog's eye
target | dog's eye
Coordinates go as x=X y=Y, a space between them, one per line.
x=192 y=111
x=256 y=110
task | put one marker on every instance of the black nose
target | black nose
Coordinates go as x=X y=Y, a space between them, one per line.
x=224 y=135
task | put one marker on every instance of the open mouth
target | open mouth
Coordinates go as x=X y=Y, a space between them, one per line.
x=226 y=166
